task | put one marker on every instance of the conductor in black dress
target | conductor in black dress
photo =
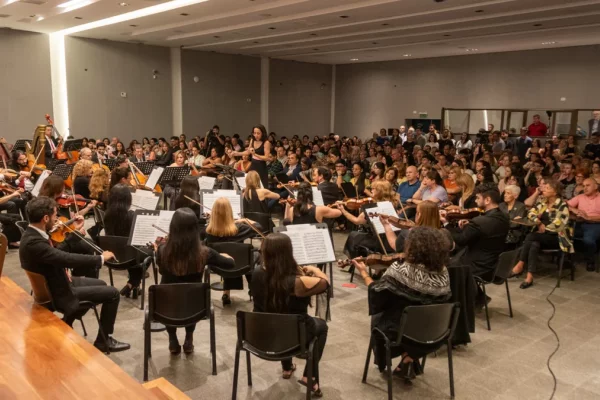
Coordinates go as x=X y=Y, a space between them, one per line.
x=37 y=254
x=260 y=152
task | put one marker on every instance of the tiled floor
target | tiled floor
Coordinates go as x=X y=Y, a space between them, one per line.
x=508 y=362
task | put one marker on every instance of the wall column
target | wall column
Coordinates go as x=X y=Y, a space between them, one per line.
x=58 y=75
x=332 y=112
x=176 y=91
x=264 y=92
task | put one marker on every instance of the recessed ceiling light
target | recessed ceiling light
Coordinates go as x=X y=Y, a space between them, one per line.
x=344 y=16
x=265 y=15
x=385 y=24
x=256 y=42
x=123 y=4
x=479 y=11
x=548 y=43
x=217 y=37
x=313 y=34
x=315 y=49
x=133 y=26
x=272 y=28
x=374 y=43
x=537 y=24
x=406 y=55
x=447 y=35
x=472 y=49
x=354 y=59
x=184 y=14
x=78 y=18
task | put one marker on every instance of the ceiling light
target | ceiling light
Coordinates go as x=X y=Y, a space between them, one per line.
x=313 y=34
x=315 y=49
x=217 y=37
x=265 y=15
x=74 y=5
x=70 y=3
x=133 y=26
x=123 y=4
x=406 y=55
x=479 y=11
x=255 y=42
x=537 y=24
x=344 y=16
x=77 y=17
x=143 y=12
x=548 y=43
x=40 y=18
x=447 y=35
x=374 y=43
x=354 y=59
x=472 y=49
x=272 y=28
x=184 y=14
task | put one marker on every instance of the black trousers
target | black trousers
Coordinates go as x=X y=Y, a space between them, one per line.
x=319 y=330
x=534 y=242
x=96 y=290
x=171 y=330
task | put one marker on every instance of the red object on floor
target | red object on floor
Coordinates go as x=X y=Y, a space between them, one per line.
x=350 y=285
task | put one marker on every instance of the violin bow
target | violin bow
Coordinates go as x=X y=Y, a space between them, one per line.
x=160 y=229
x=75 y=203
x=197 y=202
x=93 y=246
x=254 y=228
x=403 y=210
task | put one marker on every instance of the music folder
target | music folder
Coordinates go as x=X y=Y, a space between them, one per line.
x=311 y=243
x=143 y=232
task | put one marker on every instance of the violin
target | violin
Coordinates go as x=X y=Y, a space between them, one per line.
x=291 y=185
x=290 y=200
x=457 y=215
x=401 y=223
x=374 y=260
x=68 y=201
x=354 y=204
x=59 y=233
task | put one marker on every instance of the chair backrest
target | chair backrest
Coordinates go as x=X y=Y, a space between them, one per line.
x=118 y=245
x=506 y=262
x=263 y=219
x=428 y=324
x=41 y=293
x=3 y=247
x=242 y=254
x=179 y=304
x=99 y=216
x=22 y=225
x=271 y=334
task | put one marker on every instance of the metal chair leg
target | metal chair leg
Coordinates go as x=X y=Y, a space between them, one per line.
x=143 y=287
x=236 y=369
x=249 y=368
x=508 y=297
x=388 y=360
x=487 y=315
x=450 y=367
x=423 y=362
x=111 y=277
x=146 y=348
x=366 y=371
x=83 y=326
x=213 y=344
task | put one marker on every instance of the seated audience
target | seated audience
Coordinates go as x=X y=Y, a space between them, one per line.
x=586 y=208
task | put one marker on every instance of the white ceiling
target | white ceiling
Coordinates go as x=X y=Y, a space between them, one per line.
x=329 y=31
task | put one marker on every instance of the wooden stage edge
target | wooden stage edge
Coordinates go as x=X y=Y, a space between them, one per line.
x=41 y=357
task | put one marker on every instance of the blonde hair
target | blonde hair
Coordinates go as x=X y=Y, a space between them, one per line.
x=384 y=192
x=221 y=222
x=252 y=181
x=82 y=168
x=466 y=184
x=458 y=171
x=98 y=182
x=428 y=214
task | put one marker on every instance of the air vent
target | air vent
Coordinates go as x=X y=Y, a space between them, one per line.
x=25 y=20
x=4 y=15
x=36 y=2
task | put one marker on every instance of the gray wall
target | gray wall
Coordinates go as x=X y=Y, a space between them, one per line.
x=226 y=83
x=99 y=70
x=374 y=95
x=299 y=98
x=25 y=85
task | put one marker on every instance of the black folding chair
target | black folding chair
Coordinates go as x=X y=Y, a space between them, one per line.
x=272 y=337
x=430 y=326
x=43 y=297
x=128 y=257
x=265 y=221
x=242 y=254
x=178 y=305
x=506 y=261
x=22 y=225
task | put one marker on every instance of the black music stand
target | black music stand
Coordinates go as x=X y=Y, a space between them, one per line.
x=349 y=190
x=63 y=170
x=20 y=144
x=230 y=173
x=172 y=176
x=73 y=145
x=52 y=163
x=111 y=163
x=145 y=166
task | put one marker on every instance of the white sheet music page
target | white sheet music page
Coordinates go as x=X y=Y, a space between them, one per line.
x=154 y=177
x=144 y=200
x=38 y=185
x=311 y=245
x=143 y=231
x=163 y=222
x=208 y=199
x=317 y=196
x=383 y=207
x=241 y=180
x=206 y=183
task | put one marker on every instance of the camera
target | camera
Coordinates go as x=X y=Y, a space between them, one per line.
x=483 y=137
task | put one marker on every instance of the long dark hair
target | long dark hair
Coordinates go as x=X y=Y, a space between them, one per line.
x=184 y=254
x=191 y=189
x=263 y=130
x=117 y=220
x=117 y=174
x=304 y=199
x=360 y=181
x=52 y=187
x=279 y=264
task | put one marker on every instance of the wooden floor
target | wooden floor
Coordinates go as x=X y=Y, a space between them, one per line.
x=43 y=358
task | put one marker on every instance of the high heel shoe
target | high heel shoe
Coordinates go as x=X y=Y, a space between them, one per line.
x=174 y=346
x=126 y=291
x=525 y=284
x=226 y=300
x=515 y=274
x=135 y=292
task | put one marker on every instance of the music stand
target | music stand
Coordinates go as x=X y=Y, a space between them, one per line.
x=63 y=170
x=349 y=190
x=73 y=145
x=20 y=144
x=282 y=177
x=111 y=163
x=145 y=166
x=173 y=176
x=52 y=163
x=208 y=197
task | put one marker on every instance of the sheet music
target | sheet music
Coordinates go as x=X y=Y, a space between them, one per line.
x=143 y=231
x=164 y=221
x=241 y=180
x=317 y=196
x=208 y=199
x=144 y=199
x=206 y=183
x=154 y=177
x=311 y=246
x=383 y=207
x=38 y=185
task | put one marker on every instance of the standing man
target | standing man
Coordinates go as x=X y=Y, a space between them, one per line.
x=538 y=128
x=594 y=123
x=523 y=144
x=51 y=144
x=592 y=149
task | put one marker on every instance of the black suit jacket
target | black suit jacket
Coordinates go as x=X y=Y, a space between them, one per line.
x=134 y=160
x=484 y=239
x=48 y=148
x=37 y=255
x=330 y=192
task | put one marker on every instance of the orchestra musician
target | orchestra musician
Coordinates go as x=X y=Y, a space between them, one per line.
x=189 y=188
x=81 y=176
x=304 y=211
x=255 y=197
x=138 y=154
x=51 y=146
x=37 y=254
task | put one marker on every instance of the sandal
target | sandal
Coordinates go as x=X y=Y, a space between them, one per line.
x=288 y=374
x=315 y=392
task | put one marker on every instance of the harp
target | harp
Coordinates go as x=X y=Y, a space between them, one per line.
x=38 y=142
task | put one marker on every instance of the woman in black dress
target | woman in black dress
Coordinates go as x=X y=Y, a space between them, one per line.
x=281 y=286
x=259 y=149
x=305 y=211
x=181 y=259
x=255 y=197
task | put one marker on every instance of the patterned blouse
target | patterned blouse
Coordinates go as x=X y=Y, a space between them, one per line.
x=559 y=217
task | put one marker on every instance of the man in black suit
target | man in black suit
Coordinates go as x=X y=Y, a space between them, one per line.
x=51 y=144
x=594 y=123
x=329 y=190
x=37 y=254
x=483 y=237
x=138 y=154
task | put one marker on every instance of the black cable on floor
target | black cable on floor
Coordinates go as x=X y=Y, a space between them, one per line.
x=557 y=341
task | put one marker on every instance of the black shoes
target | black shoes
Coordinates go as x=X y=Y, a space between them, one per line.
x=525 y=284
x=188 y=345
x=129 y=291
x=174 y=346
x=226 y=300
x=114 y=345
x=135 y=292
x=126 y=291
